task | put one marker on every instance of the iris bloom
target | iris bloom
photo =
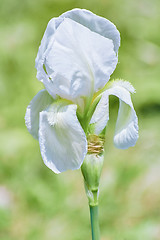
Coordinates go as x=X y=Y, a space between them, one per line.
x=77 y=55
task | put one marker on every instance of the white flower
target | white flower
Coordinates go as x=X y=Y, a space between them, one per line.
x=77 y=55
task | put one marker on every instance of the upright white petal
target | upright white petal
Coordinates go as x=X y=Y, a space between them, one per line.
x=62 y=140
x=47 y=39
x=126 y=133
x=81 y=60
x=96 y=24
x=38 y=103
x=101 y=114
x=46 y=44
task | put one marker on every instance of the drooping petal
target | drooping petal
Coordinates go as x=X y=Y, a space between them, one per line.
x=62 y=140
x=38 y=104
x=96 y=24
x=82 y=63
x=126 y=133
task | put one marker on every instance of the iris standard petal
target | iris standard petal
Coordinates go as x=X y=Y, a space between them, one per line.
x=62 y=140
x=83 y=63
x=47 y=39
x=101 y=114
x=46 y=43
x=38 y=103
x=96 y=24
x=126 y=133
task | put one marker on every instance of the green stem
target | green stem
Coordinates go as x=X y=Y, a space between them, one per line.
x=94 y=222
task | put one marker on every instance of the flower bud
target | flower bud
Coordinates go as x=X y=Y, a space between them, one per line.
x=91 y=170
x=92 y=167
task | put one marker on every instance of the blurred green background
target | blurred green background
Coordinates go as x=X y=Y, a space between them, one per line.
x=36 y=204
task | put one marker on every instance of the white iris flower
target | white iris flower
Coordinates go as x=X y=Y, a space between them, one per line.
x=77 y=55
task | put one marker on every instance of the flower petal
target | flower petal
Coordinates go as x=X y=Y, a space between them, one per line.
x=126 y=133
x=82 y=63
x=46 y=43
x=101 y=114
x=47 y=39
x=62 y=140
x=96 y=24
x=38 y=103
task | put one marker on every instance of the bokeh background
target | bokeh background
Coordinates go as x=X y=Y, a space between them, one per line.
x=36 y=204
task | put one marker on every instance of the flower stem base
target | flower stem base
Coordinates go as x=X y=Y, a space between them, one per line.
x=94 y=222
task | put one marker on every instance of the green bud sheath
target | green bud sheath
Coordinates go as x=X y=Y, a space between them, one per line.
x=92 y=168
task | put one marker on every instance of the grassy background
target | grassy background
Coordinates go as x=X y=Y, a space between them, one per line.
x=36 y=204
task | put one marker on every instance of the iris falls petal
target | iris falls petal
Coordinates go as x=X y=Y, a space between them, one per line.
x=126 y=132
x=38 y=104
x=62 y=140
